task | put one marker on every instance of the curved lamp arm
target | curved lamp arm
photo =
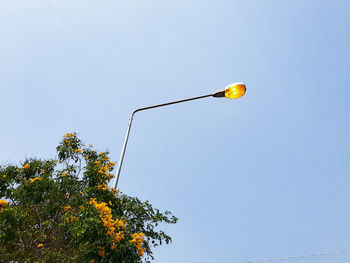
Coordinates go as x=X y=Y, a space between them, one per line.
x=219 y=93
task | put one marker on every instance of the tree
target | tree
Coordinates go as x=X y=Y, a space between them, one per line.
x=62 y=210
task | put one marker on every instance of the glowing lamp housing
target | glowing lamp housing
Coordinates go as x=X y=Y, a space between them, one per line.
x=232 y=91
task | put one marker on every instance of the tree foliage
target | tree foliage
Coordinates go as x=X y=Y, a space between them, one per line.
x=62 y=210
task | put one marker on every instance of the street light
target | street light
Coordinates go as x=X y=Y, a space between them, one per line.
x=232 y=91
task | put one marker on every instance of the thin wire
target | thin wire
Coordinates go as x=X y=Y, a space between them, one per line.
x=334 y=252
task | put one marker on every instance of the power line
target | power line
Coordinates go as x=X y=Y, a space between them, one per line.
x=334 y=252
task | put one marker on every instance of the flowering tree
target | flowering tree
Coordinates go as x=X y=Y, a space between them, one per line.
x=62 y=210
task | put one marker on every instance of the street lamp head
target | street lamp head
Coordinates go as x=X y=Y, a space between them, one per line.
x=232 y=91
x=235 y=90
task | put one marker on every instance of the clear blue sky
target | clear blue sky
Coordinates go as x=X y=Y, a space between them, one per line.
x=261 y=177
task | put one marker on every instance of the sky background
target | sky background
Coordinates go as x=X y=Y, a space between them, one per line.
x=264 y=176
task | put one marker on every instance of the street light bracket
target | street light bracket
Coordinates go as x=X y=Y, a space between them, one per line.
x=219 y=94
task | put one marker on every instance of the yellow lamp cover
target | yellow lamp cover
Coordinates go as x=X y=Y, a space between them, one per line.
x=235 y=90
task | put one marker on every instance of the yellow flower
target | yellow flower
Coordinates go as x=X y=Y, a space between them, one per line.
x=92 y=261
x=40 y=245
x=73 y=218
x=121 y=223
x=110 y=224
x=78 y=150
x=101 y=251
x=110 y=176
x=137 y=240
x=35 y=179
x=65 y=208
x=68 y=135
x=113 y=246
x=26 y=166
x=114 y=190
x=3 y=203
x=102 y=186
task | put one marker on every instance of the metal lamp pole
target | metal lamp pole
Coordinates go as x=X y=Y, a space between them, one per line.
x=233 y=91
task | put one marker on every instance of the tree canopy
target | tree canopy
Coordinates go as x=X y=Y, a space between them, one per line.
x=62 y=210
